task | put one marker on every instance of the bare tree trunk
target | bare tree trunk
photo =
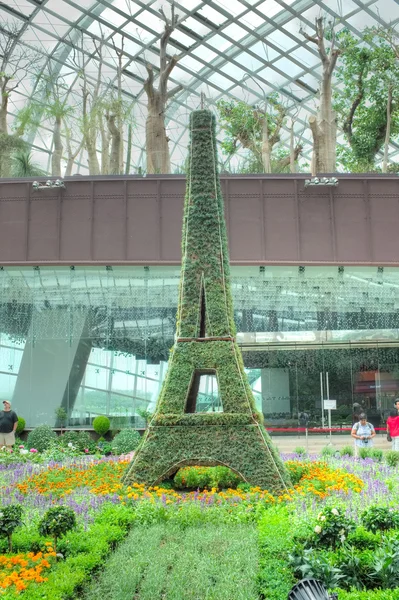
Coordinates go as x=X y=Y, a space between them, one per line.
x=3 y=116
x=292 y=149
x=266 y=151
x=158 y=159
x=324 y=125
x=71 y=155
x=129 y=149
x=104 y=145
x=57 y=149
x=114 y=166
x=388 y=131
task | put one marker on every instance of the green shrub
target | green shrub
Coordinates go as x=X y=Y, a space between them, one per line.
x=83 y=553
x=300 y=450
x=364 y=453
x=21 y=425
x=328 y=451
x=82 y=440
x=57 y=521
x=347 y=451
x=275 y=579
x=101 y=425
x=368 y=594
x=392 y=458
x=380 y=518
x=41 y=438
x=332 y=527
x=206 y=477
x=10 y=519
x=125 y=441
x=363 y=539
x=376 y=454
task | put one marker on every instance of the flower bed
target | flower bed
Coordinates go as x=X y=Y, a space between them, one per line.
x=91 y=487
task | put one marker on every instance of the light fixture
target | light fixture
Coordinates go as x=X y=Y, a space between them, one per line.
x=321 y=181
x=50 y=184
x=310 y=589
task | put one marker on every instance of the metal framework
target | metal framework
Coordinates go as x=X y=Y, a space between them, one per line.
x=238 y=49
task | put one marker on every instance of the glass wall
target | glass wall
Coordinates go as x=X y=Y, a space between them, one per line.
x=96 y=340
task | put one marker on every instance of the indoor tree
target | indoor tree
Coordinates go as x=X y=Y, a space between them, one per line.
x=158 y=156
x=367 y=101
x=324 y=124
x=15 y=59
x=257 y=130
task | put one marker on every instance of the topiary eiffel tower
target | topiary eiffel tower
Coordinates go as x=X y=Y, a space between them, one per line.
x=205 y=344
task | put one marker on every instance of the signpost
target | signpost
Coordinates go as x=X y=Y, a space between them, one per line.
x=329 y=405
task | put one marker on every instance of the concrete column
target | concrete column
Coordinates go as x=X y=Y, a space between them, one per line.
x=275 y=391
x=48 y=363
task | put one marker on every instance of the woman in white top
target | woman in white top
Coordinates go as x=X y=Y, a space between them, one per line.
x=363 y=433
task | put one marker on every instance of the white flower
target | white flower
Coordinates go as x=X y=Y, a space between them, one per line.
x=335 y=512
x=322 y=518
x=342 y=538
x=24 y=451
x=70 y=445
x=317 y=529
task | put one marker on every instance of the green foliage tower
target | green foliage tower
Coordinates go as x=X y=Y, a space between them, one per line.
x=205 y=344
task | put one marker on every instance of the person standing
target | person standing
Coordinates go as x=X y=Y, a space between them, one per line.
x=8 y=426
x=393 y=429
x=396 y=405
x=363 y=433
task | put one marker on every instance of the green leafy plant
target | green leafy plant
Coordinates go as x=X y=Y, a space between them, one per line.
x=101 y=425
x=347 y=451
x=332 y=527
x=380 y=518
x=363 y=539
x=61 y=415
x=125 y=441
x=328 y=451
x=307 y=564
x=392 y=458
x=41 y=438
x=385 y=565
x=10 y=519
x=376 y=454
x=300 y=450
x=365 y=453
x=206 y=477
x=20 y=426
x=57 y=521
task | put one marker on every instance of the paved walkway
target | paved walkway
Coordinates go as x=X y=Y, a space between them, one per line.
x=317 y=441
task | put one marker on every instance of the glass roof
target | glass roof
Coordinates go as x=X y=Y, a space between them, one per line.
x=237 y=49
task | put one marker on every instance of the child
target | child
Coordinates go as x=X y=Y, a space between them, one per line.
x=393 y=428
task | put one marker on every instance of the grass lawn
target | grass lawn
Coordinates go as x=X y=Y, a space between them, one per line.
x=205 y=562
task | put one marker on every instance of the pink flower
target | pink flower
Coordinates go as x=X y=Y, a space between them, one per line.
x=33 y=450
x=86 y=450
x=22 y=446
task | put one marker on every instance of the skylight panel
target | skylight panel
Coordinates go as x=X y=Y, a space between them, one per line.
x=197 y=26
x=234 y=7
x=269 y=8
x=248 y=61
x=25 y=8
x=234 y=71
x=264 y=51
x=235 y=32
x=219 y=43
x=66 y=10
x=113 y=17
x=281 y=40
x=212 y=15
x=287 y=66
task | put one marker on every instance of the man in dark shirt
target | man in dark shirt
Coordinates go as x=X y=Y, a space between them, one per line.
x=8 y=425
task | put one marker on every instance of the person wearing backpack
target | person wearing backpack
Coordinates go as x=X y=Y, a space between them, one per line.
x=363 y=433
x=393 y=429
